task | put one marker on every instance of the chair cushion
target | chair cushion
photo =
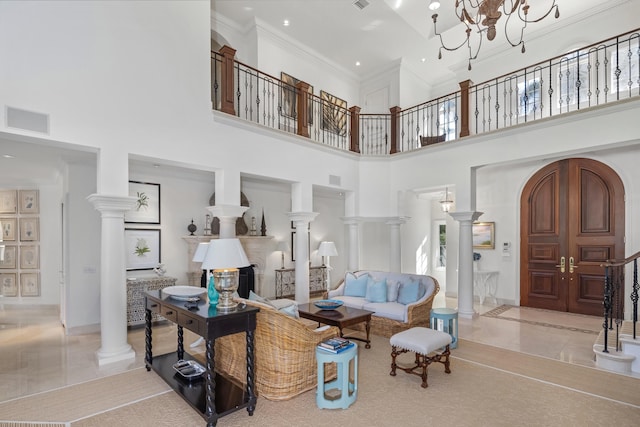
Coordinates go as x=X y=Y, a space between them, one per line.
x=390 y=310
x=355 y=302
x=421 y=340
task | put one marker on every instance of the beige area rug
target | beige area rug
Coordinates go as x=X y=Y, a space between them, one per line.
x=548 y=318
x=487 y=386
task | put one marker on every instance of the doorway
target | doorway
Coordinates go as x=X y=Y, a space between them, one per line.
x=572 y=220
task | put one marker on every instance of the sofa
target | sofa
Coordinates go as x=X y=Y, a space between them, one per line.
x=285 y=345
x=399 y=301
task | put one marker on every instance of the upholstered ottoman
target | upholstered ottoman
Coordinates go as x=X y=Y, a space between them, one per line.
x=422 y=341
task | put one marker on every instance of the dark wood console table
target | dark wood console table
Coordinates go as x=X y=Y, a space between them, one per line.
x=214 y=395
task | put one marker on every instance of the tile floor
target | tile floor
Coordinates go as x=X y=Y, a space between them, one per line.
x=36 y=355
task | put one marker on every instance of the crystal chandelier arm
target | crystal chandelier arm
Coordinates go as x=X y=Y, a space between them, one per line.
x=472 y=56
x=525 y=10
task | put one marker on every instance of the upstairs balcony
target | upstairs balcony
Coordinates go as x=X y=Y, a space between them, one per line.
x=596 y=75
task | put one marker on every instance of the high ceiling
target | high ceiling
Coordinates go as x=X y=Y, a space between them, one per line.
x=381 y=32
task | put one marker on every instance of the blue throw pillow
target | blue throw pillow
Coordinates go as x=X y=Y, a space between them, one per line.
x=408 y=292
x=291 y=310
x=376 y=290
x=355 y=286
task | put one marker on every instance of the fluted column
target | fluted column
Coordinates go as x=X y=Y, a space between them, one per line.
x=301 y=221
x=228 y=215
x=395 y=244
x=353 y=229
x=113 y=280
x=465 y=262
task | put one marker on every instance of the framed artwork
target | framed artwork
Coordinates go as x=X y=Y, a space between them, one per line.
x=334 y=114
x=484 y=235
x=289 y=99
x=28 y=201
x=9 y=284
x=29 y=229
x=147 y=208
x=8 y=227
x=29 y=257
x=143 y=248
x=8 y=256
x=8 y=202
x=30 y=284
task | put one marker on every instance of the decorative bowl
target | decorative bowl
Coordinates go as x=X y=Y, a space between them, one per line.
x=328 y=304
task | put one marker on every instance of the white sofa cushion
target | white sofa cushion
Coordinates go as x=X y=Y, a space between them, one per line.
x=390 y=310
x=355 y=302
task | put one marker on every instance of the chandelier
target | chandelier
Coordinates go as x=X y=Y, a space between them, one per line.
x=483 y=15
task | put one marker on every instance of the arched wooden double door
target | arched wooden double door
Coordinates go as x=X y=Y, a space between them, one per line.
x=572 y=220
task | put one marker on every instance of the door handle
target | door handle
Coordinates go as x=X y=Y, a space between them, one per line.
x=562 y=264
x=571 y=265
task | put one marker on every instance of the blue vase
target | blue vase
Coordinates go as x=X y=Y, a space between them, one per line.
x=212 y=292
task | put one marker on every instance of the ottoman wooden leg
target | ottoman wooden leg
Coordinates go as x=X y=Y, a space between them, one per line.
x=393 y=361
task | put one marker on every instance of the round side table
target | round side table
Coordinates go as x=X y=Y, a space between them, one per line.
x=446 y=320
x=341 y=392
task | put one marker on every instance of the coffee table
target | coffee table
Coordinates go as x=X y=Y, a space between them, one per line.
x=341 y=317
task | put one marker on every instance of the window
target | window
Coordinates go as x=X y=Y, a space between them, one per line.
x=441 y=262
x=626 y=62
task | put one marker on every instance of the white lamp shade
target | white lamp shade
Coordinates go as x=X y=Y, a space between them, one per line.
x=201 y=251
x=327 y=249
x=225 y=253
x=434 y=4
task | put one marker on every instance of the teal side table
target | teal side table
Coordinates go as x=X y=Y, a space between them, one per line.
x=446 y=320
x=341 y=392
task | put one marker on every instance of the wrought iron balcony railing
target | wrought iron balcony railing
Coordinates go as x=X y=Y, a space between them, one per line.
x=601 y=73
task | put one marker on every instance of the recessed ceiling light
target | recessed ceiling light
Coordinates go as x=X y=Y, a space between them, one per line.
x=8 y=156
x=357 y=63
x=423 y=59
x=285 y=23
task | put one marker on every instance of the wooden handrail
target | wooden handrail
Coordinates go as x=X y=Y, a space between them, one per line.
x=614 y=263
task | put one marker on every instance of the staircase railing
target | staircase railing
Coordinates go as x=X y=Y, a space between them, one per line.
x=614 y=298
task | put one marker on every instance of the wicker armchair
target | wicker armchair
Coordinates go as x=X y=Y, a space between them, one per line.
x=285 y=358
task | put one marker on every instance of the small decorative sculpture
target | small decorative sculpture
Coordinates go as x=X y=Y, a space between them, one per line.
x=263 y=226
x=160 y=270
x=253 y=230
x=192 y=228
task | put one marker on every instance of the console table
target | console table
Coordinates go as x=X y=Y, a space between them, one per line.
x=286 y=282
x=485 y=284
x=135 y=296
x=214 y=395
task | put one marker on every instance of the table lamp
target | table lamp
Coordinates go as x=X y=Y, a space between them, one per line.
x=224 y=256
x=282 y=247
x=327 y=249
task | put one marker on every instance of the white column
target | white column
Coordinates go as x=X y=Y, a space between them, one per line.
x=301 y=220
x=395 y=244
x=353 y=258
x=113 y=280
x=465 y=262
x=228 y=215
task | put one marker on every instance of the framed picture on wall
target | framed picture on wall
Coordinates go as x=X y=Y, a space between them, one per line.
x=8 y=201
x=28 y=201
x=9 y=284
x=29 y=229
x=147 y=207
x=142 y=248
x=289 y=97
x=29 y=257
x=8 y=229
x=483 y=235
x=8 y=255
x=334 y=114
x=30 y=284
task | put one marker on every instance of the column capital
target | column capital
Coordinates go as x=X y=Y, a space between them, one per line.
x=104 y=203
x=399 y=220
x=302 y=216
x=351 y=220
x=227 y=210
x=465 y=216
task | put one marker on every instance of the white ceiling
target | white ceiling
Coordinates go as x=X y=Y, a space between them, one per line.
x=382 y=32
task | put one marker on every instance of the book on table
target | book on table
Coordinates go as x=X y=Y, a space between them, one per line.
x=335 y=345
